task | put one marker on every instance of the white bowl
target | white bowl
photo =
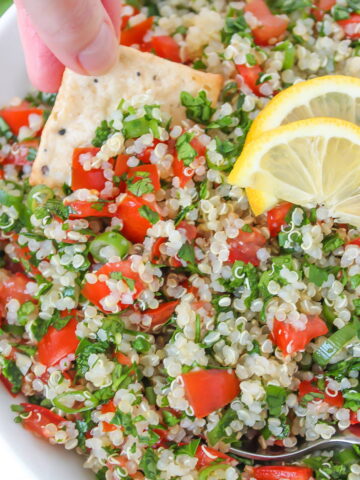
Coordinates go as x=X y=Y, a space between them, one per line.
x=23 y=456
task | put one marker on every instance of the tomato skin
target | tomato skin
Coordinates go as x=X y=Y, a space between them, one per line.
x=123 y=359
x=135 y=35
x=121 y=166
x=272 y=26
x=354 y=241
x=39 y=418
x=251 y=76
x=205 y=456
x=276 y=217
x=190 y=230
x=8 y=385
x=354 y=418
x=97 y=291
x=306 y=387
x=108 y=408
x=161 y=315
x=221 y=388
x=351 y=26
x=245 y=246
x=58 y=344
x=91 y=179
x=166 y=47
x=18 y=116
x=135 y=225
x=322 y=7
x=145 y=155
x=184 y=173
x=277 y=472
x=83 y=209
x=151 y=170
x=291 y=340
x=14 y=286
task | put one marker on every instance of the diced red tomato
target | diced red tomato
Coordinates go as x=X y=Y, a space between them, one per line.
x=351 y=26
x=122 y=461
x=121 y=166
x=190 y=230
x=14 y=286
x=108 y=408
x=354 y=241
x=58 y=344
x=272 y=28
x=180 y=170
x=321 y=7
x=251 y=76
x=354 y=418
x=135 y=35
x=18 y=116
x=151 y=170
x=155 y=252
x=207 y=455
x=83 y=209
x=161 y=315
x=135 y=225
x=95 y=292
x=209 y=390
x=290 y=340
x=276 y=217
x=125 y=18
x=306 y=387
x=19 y=153
x=276 y=472
x=165 y=46
x=123 y=359
x=1 y=173
x=92 y=179
x=145 y=155
x=38 y=419
x=245 y=246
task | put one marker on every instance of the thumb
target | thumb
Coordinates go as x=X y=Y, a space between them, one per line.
x=78 y=32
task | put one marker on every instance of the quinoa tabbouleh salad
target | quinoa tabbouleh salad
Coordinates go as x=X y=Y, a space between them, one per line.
x=148 y=317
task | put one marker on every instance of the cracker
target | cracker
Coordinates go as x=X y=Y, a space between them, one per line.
x=83 y=102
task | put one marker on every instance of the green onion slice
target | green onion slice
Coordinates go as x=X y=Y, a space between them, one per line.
x=335 y=343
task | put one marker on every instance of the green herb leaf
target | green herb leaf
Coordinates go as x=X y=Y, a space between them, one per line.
x=12 y=373
x=317 y=275
x=288 y=6
x=136 y=128
x=83 y=352
x=332 y=242
x=218 y=433
x=185 y=151
x=187 y=253
x=102 y=133
x=170 y=419
x=149 y=214
x=148 y=464
x=275 y=398
x=141 y=186
x=198 y=108
x=189 y=449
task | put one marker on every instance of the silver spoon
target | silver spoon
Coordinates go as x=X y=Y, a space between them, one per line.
x=344 y=439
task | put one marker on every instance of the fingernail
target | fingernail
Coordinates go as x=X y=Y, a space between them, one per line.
x=100 y=55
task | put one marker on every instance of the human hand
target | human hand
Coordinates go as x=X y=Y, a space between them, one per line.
x=79 y=34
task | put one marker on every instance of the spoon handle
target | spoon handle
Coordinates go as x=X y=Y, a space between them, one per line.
x=290 y=454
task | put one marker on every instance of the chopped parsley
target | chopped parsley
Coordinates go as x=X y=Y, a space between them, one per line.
x=198 y=109
x=186 y=152
x=149 y=214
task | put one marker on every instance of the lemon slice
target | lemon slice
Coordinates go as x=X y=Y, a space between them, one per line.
x=310 y=162
x=335 y=96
